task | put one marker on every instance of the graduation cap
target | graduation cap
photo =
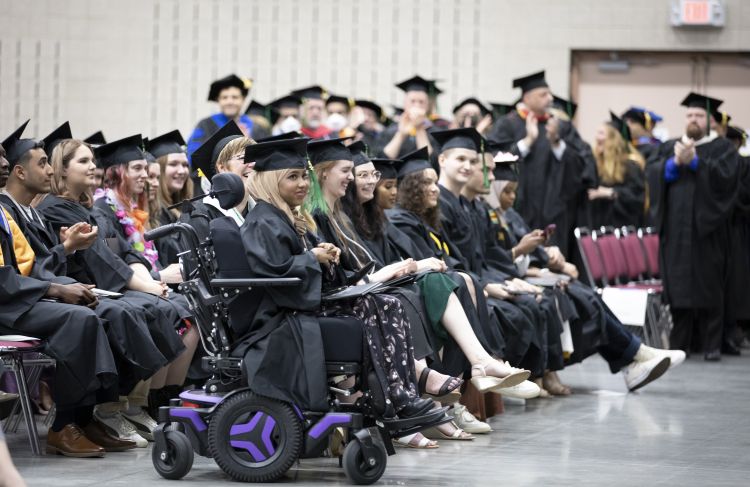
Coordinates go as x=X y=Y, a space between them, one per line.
x=416 y=161
x=501 y=109
x=471 y=101
x=463 y=138
x=287 y=101
x=640 y=115
x=256 y=108
x=530 y=82
x=711 y=105
x=620 y=125
x=349 y=102
x=244 y=84
x=15 y=147
x=146 y=154
x=97 y=138
x=505 y=171
x=120 y=151
x=736 y=133
x=493 y=146
x=169 y=143
x=274 y=155
x=397 y=110
x=58 y=135
x=284 y=136
x=388 y=167
x=418 y=83
x=566 y=106
x=311 y=92
x=371 y=105
x=359 y=153
x=328 y=150
x=204 y=158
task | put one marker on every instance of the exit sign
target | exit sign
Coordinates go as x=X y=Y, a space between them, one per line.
x=697 y=13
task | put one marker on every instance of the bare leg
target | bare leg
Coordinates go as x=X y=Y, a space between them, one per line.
x=470 y=286
x=177 y=370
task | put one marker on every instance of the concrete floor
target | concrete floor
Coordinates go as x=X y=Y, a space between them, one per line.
x=689 y=428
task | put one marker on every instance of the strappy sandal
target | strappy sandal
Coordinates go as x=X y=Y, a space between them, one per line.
x=458 y=434
x=485 y=383
x=417 y=441
x=555 y=387
x=449 y=391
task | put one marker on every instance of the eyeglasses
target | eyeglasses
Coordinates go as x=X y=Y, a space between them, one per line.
x=374 y=175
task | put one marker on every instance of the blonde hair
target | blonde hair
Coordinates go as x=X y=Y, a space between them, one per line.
x=60 y=158
x=612 y=157
x=232 y=148
x=164 y=196
x=265 y=186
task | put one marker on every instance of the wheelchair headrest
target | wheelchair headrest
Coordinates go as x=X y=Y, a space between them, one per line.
x=228 y=188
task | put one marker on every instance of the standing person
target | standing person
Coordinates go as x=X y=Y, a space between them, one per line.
x=260 y=114
x=313 y=111
x=471 y=112
x=285 y=115
x=411 y=131
x=699 y=188
x=620 y=198
x=551 y=182
x=369 y=118
x=641 y=123
x=230 y=93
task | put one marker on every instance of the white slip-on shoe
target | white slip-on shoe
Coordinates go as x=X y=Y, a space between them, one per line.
x=524 y=390
x=121 y=428
x=638 y=374
x=144 y=424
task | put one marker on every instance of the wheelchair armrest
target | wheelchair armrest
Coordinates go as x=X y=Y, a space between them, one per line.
x=259 y=282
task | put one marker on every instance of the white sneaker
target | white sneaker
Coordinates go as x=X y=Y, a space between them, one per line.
x=638 y=374
x=467 y=422
x=144 y=424
x=524 y=390
x=121 y=428
x=676 y=357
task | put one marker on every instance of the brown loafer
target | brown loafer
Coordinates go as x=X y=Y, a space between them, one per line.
x=95 y=432
x=72 y=442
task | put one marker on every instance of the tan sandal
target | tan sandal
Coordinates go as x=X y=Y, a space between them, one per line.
x=417 y=441
x=486 y=383
x=458 y=434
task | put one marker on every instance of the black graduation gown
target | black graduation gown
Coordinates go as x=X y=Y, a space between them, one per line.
x=280 y=339
x=738 y=305
x=170 y=246
x=695 y=229
x=627 y=209
x=137 y=356
x=74 y=336
x=549 y=190
x=103 y=264
x=409 y=144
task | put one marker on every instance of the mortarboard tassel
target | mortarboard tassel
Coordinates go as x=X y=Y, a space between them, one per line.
x=485 y=170
x=315 y=200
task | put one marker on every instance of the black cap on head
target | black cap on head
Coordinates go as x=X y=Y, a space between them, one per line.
x=505 y=171
x=244 y=84
x=501 y=109
x=278 y=154
x=15 y=147
x=397 y=110
x=328 y=150
x=205 y=156
x=418 y=83
x=284 y=136
x=416 y=161
x=120 y=151
x=256 y=108
x=311 y=92
x=463 y=138
x=388 y=167
x=472 y=101
x=96 y=138
x=58 y=135
x=565 y=105
x=620 y=125
x=359 y=153
x=169 y=143
x=499 y=145
x=530 y=82
x=287 y=101
x=711 y=105
x=371 y=106
x=736 y=133
x=340 y=99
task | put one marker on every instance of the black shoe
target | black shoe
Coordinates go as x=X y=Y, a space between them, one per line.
x=416 y=407
x=729 y=348
x=712 y=356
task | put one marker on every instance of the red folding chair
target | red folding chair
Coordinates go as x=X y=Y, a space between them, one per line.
x=25 y=361
x=613 y=258
x=592 y=259
x=650 y=244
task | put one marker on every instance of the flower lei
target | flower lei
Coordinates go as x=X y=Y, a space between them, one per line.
x=133 y=225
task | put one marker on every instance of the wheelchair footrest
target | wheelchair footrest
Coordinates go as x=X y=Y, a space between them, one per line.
x=342 y=368
x=412 y=425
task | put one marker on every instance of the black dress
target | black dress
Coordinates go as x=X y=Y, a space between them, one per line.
x=627 y=208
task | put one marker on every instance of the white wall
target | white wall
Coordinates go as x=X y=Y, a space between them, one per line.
x=144 y=66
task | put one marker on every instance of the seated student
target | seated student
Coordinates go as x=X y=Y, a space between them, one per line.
x=60 y=314
x=103 y=264
x=620 y=198
x=224 y=151
x=634 y=358
x=279 y=243
x=367 y=217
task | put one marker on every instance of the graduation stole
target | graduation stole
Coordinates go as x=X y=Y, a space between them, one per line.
x=442 y=246
x=133 y=224
x=524 y=112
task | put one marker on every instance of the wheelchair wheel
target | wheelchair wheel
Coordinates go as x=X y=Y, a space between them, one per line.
x=254 y=438
x=176 y=460
x=357 y=469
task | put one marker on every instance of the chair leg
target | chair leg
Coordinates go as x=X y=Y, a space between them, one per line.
x=28 y=413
